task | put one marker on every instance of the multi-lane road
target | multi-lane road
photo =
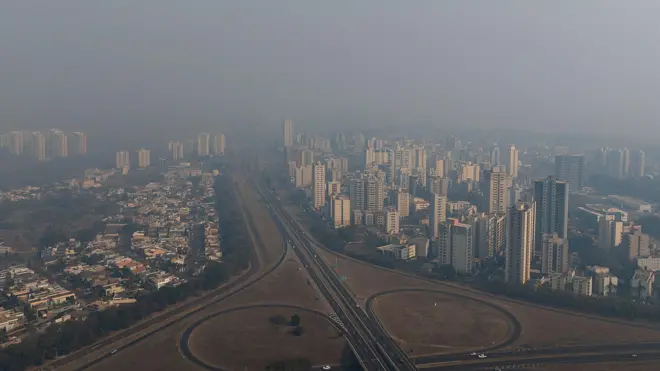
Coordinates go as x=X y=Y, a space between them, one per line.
x=372 y=346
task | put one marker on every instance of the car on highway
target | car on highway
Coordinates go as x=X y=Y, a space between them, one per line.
x=482 y=356
x=326 y=367
x=113 y=351
x=473 y=353
x=634 y=355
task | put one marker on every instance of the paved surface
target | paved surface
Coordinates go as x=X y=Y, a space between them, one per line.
x=374 y=348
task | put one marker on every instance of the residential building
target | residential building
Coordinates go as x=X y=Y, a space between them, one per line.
x=319 y=186
x=456 y=245
x=496 y=182
x=641 y=284
x=57 y=144
x=495 y=155
x=218 y=144
x=398 y=252
x=333 y=188
x=122 y=159
x=10 y=319
x=304 y=176
x=438 y=185
x=551 y=198
x=610 y=232
x=637 y=244
x=392 y=220
x=648 y=263
x=287 y=133
x=571 y=282
x=38 y=146
x=554 y=258
x=638 y=164
x=144 y=158
x=403 y=202
x=437 y=214
x=520 y=234
x=78 y=143
x=176 y=150
x=204 y=144
x=374 y=192
x=512 y=162
x=570 y=168
x=340 y=211
x=357 y=194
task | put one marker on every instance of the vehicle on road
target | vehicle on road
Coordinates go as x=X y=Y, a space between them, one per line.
x=482 y=356
x=326 y=367
x=113 y=351
x=473 y=353
x=634 y=355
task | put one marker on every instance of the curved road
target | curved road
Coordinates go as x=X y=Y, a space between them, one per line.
x=513 y=337
x=184 y=341
x=217 y=295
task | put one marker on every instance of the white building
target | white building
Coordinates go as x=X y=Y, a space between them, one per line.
x=392 y=221
x=521 y=225
x=398 y=252
x=437 y=214
x=340 y=211
x=318 y=193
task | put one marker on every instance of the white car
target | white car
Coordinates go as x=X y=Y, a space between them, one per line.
x=326 y=367
x=114 y=351
x=473 y=353
x=482 y=356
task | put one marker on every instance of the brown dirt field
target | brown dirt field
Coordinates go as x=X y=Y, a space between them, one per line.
x=247 y=339
x=438 y=323
x=541 y=327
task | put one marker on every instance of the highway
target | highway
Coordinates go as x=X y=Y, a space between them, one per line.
x=371 y=345
x=160 y=322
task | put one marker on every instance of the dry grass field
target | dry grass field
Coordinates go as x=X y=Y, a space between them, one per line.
x=246 y=339
x=437 y=323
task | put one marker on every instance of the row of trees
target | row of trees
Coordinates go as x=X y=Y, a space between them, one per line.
x=65 y=338
x=605 y=306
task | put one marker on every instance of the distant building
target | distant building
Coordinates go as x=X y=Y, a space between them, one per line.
x=398 y=252
x=551 y=198
x=403 y=202
x=456 y=245
x=512 y=162
x=218 y=144
x=122 y=159
x=572 y=282
x=144 y=158
x=78 y=143
x=437 y=214
x=554 y=254
x=319 y=186
x=287 y=133
x=392 y=220
x=340 y=211
x=521 y=225
x=496 y=182
x=570 y=168
x=637 y=244
x=203 y=144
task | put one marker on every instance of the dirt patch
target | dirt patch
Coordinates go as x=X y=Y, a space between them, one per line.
x=248 y=338
x=434 y=323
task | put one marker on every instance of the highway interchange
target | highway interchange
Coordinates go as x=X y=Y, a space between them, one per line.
x=370 y=343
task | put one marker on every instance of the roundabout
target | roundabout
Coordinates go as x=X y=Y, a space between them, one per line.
x=425 y=322
x=254 y=336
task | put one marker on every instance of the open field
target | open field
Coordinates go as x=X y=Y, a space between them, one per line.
x=247 y=338
x=438 y=323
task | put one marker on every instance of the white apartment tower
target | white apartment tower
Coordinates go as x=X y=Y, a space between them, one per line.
x=319 y=186
x=455 y=245
x=374 y=192
x=340 y=211
x=57 y=144
x=122 y=159
x=203 y=144
x=497 y=182
x=437 y=214
x=555 y=254
x=512 y=161
x=219 y=144
x=403 y=202
x=78 y=143
x=287 y=133
x=356 y=193
x=521 y=224
x=392 y=221
x=38 y=146
x=144 y=158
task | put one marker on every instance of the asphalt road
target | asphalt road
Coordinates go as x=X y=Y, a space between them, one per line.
x=192 y=307
x=373 y=347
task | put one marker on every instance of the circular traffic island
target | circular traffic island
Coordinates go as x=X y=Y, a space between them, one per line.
x=255 y=338
x=427 y=322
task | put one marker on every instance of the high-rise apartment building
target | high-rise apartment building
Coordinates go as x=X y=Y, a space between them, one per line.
x=319 y=186
x=307 y=157
x=489 y=234
x=357 y=194
x=519 y=242
x=403 y=202
x=551 y=198
x=554 y=257
x=392 y=220
x=495 y=155
x=637 y=244
x=333 y=188
x=340 y=211
x=637 y=164
x=455 y=245
x=218 y=144
x=122 y=159
x=610 y=232
x=38 y=146
x=176 y=150
x=437 y=214
x=512 y=161
x=304 y=176
x=496 y=182
x=57 y=144
x=570 y=168
x=203 y=144
x=144 y=158
x=16 y=142
x=78 y=143
x=287 y=133
x=374 y=194
x=438 y=185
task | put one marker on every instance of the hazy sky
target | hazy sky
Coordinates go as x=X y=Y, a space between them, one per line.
x=544 y=65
